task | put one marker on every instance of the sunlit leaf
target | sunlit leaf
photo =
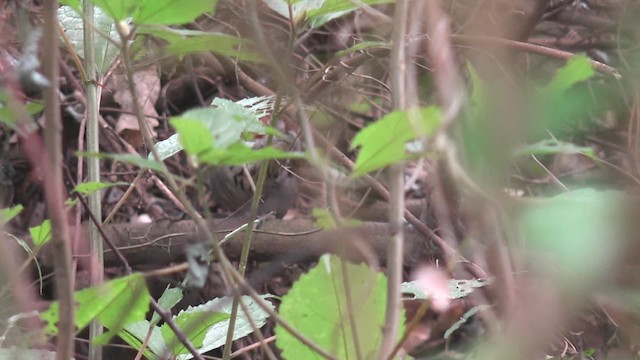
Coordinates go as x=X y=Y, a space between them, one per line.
x=318 y=303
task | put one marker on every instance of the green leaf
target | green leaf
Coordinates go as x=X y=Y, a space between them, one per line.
x=577 y=69
x=383 y=142
x=171 y=12
x=7 y=214
x=574 y=235
x=135 y=334
x=91 y=187
x=41 y=234
x=115 y=303
x=332 y=9
x=169 y=298
x=322 y=303
x=105 y=50
x=74 y=4
x=318 y=12
x=195 y=326
x=167 y=12
x=133 y=159
x=117 y=9
x=549 y=147
x=195 y=137
x=239 y=153
x=8 y=117
x=207 y=324
x=183 y=42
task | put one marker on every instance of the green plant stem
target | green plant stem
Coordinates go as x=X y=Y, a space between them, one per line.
x=93 y=167
x=54 y=186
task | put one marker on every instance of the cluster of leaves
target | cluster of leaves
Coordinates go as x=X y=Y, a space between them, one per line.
x=318 y=302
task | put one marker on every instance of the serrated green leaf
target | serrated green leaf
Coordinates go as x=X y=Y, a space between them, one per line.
x=91 y=187
x=41 y=234
x=115 y=303
x=322 y=303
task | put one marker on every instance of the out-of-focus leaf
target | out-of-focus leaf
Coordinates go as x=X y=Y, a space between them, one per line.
x=575 y=235
x=115 y=303
x=548 y=147
x=9 y=213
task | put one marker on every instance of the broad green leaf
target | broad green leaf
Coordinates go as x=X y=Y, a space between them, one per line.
x=41 y=234
x=564 y=101
x=384 y=142
x=323 y=303
x=215 y=314
x=183 y=42
x=169 y=298
x=577 y=69
x=7 y=214
x=91 y=187
x=118 y=9
x=167 y=12
x=115 y=303
x=171 y=12
x=195 y=137
x=135 y=334
x=332 y=9
x=239 y=153
x=195 y=326
x=318 y=12
x=575 y=235
x=133 y=159
x=74 y=4
x=72 y=23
